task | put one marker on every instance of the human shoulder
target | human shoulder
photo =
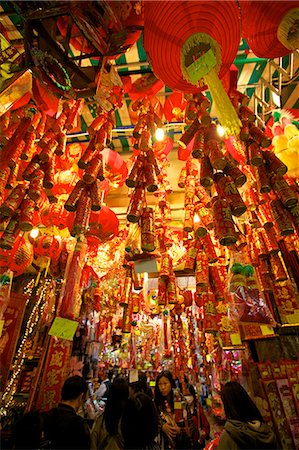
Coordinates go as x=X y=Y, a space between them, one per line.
x=226 y=442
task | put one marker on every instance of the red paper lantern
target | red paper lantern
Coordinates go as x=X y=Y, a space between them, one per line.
x=49 y=246
x=167 y=25
x=55 y=215
x=260 y=23
x=18 y=258
x=174 y=107
x=103 y=224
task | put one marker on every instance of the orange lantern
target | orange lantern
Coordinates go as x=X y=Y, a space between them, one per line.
x=103 y=224
x=55 y=215
x=49 y=246
x=18 y=258
x=174 y=107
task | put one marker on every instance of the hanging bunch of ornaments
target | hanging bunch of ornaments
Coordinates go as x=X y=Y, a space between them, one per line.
x=31 y=144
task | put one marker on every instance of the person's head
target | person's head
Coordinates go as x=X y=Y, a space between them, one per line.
x=237 y=403
x=139 y=422
x=140 y=386
x=74 y=391
x=116 y=401
x=163 y=389
x=110 y=374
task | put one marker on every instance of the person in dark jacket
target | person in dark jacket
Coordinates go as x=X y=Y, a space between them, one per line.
x=63 y=428
x=244 y=428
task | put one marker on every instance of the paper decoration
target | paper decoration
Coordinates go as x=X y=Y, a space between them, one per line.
x=235 y=339
x=1 y=326
x=266 y=330
x=63 y=328
x=201 y=66
x=148 y=265
x=133 y=375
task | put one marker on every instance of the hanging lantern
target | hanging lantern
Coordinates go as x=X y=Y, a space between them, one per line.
x=174 y=107
x=270 y=27
x=219 y=21
x=103 y=224
x=49 y=246
x=55 y=215
x=19 y=257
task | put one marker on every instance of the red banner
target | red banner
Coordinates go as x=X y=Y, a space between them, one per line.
x=13 y=317
x=55 y=372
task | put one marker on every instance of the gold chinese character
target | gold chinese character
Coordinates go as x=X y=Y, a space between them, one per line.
x=52 y=379
x=56 y=359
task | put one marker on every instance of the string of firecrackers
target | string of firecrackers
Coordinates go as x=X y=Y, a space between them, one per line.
x=32 y=327
x=231 y=177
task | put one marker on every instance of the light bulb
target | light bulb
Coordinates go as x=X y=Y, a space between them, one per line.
x=196 y=218
x=34 y=233
x=159 y=134
x=220 y=130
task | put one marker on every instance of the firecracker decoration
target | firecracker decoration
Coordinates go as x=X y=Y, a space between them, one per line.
x=70 y=298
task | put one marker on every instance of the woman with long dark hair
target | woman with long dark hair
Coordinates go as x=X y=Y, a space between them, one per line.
x=140 y=423
x=106 y=432
x=175 y=432
x=244 y=428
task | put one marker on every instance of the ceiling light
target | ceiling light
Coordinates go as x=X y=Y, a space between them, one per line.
x=220 y=130
x=34 y=233
x=159 y=134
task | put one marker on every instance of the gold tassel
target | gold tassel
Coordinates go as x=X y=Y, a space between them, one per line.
x=288 y=31
x=225 y=110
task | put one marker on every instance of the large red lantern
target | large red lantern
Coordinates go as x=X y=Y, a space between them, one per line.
x=49 y=246
x=208 y=25
x=270 y=27
x=103 y=224
x=55 y=215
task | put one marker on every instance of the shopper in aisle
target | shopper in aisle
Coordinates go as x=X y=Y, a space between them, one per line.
x=176 y=425
x=200 y=422
x=106 y=432
x=141 y=386
x=244 y=428
x=62 y=427
x=140 y=423
x=103 y=390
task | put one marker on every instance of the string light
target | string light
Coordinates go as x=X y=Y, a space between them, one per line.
x=34 y=318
